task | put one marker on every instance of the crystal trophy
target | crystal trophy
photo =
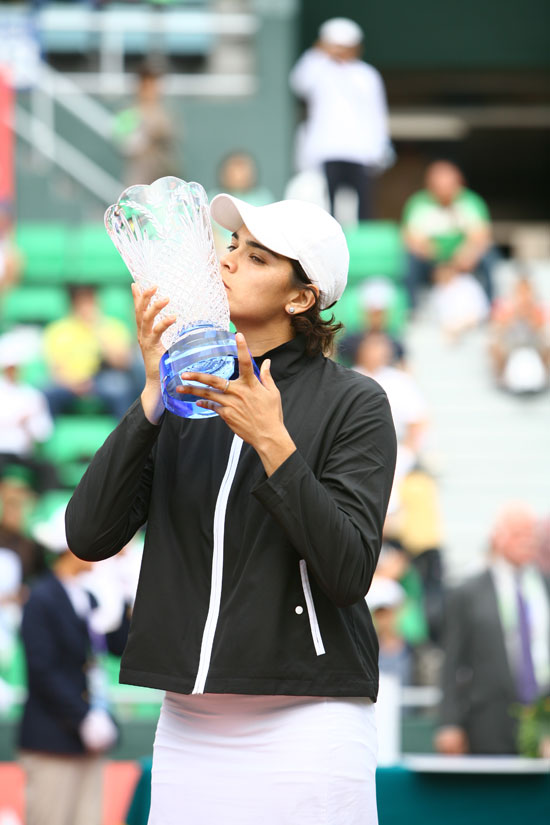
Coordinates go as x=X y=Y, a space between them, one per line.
x=164 y=235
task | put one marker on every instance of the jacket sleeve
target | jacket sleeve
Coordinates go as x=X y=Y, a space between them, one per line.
x=41 y=641
x=112 y=499
x=335 y=522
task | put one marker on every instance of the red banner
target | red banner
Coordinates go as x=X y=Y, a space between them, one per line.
x=7 y=155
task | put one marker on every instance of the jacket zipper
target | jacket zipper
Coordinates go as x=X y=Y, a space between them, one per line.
x=217 y=566
x=313 y=623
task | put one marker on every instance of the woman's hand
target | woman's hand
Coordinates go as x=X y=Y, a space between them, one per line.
x=251 y=408
x=151 y=347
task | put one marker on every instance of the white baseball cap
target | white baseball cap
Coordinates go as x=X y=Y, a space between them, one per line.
x=341 y=31
x=384 y=592
x=298 y=230
x=376 y=294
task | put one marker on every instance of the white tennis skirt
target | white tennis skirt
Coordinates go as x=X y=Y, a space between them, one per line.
x=228 y=759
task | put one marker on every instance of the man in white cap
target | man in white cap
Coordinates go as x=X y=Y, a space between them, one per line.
x=346 y=131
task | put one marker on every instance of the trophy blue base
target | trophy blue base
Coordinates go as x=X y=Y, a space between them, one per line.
x=200 y=349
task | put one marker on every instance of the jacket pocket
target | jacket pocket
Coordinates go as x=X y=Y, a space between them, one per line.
x=313 y=623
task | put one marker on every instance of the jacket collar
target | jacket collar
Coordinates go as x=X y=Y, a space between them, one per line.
x=287 y=359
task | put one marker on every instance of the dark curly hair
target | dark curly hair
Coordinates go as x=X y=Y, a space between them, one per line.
x=319 y=332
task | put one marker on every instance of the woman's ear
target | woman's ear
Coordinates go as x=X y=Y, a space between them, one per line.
x=303 y=300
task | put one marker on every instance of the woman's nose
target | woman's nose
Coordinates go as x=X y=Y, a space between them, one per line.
x=227 y=262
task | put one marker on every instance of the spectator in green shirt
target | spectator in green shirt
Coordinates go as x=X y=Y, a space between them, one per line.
x=447 y=223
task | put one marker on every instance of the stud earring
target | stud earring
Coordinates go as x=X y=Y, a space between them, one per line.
x=291 y=310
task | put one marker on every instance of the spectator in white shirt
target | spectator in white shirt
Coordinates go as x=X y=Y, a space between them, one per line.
x=408 y=407
x=458 y=300
x=409 y=412
x=25 y=419
x=346 y=131
x=24 y=414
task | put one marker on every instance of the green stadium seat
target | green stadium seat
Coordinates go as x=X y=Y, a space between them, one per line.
x=376 y=249
x=35 y=372
x=46 y=506
x=348 y=310
x=28 y=304
x=95 y=259
x=70 y=473
x=76 y=438
x=117 y=302
x=14 y=672
x=45 y=250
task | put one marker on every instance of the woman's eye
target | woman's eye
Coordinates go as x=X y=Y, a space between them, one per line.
x=256 y=259
x=231 y=247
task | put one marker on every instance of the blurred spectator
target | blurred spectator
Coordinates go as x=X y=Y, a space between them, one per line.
x=25 y=420
x=376 y=297
x=420 y=534
x=374 y=357
x=89 y=354
x=146 y=133
x=11 y=581
x=497 y=643
x=394 y=564
x=384 y=599
x=113 y=583
x=346 y=131
x=66 y=726
x=542 y=559
x=20 y=558
x=459 y=301
x=447 y=223
x=238 y=176
x=309 y=185
x=10 y=257
x=519 y=341
x=17 y=499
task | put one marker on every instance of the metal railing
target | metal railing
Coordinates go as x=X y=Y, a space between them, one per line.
x=43 y=139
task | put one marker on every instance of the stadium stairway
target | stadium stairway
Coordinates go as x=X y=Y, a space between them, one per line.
x=486 y=448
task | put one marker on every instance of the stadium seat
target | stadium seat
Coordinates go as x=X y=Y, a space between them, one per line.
x=375 y=249
x=46 y=506
x=348 y=310
x=76 y=438
x=28 y=304
x=117 y=302
x=95 y=259
x=45 y=248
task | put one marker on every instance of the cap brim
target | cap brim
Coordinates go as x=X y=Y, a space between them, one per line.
x=232 y=213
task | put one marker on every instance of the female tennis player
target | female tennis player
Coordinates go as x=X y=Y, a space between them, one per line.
x=264 y=526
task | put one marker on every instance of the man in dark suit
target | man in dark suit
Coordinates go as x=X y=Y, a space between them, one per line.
x=497 y=644
x=66 y=726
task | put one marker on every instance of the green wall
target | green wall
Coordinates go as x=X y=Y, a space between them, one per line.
x=442 y=34
x=262 y=124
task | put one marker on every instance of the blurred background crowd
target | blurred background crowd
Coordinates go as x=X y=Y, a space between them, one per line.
x=424 y=129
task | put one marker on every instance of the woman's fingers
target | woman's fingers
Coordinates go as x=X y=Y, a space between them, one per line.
x=201 y=392
x=214 y=381
x=151 y=313
x=265 y=375
x=141 y=301
x=161 y=326
x=246 y=370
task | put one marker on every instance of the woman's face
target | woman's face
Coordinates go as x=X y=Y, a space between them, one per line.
x=257 y=281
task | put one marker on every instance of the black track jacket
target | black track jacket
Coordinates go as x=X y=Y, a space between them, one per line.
x=250 y=584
